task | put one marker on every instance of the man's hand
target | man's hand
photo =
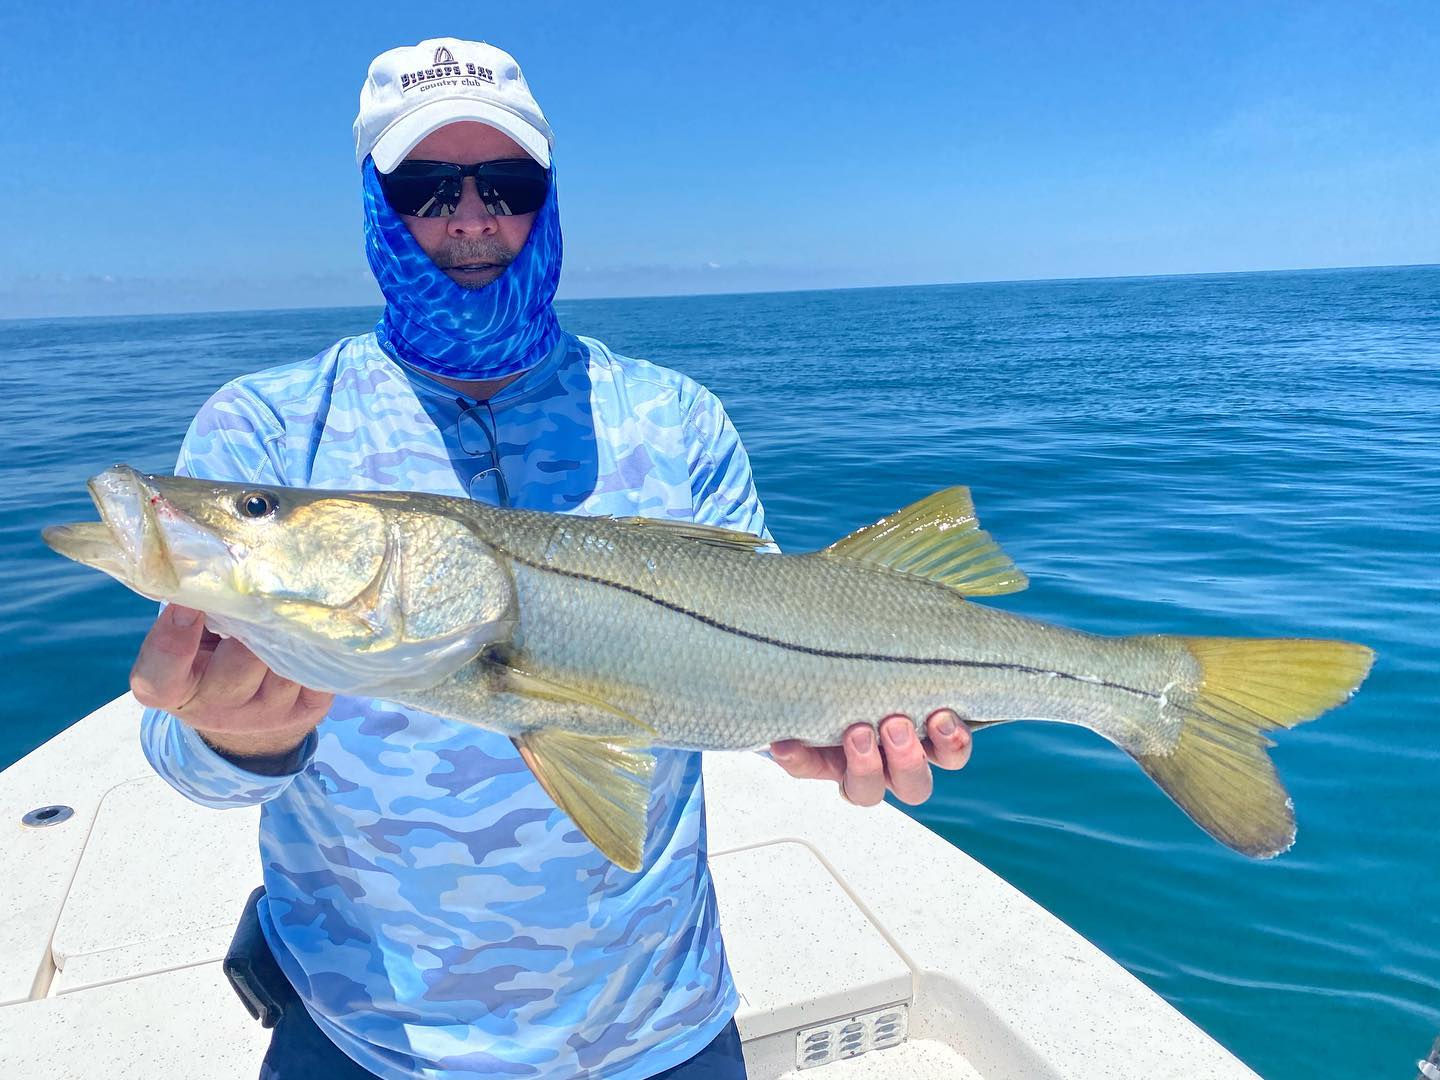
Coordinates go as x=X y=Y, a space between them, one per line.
x=865 y=766
x=223 y=690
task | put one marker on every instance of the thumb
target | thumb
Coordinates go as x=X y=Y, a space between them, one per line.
x=164 y=675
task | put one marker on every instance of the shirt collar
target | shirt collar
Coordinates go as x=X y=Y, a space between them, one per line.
x=530 y=384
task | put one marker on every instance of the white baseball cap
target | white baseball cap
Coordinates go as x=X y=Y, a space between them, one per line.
x=416 y=89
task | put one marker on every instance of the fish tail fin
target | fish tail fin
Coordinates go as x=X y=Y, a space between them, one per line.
x=1218 y=771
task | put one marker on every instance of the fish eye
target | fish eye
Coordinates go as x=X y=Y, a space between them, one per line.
x=258 y=504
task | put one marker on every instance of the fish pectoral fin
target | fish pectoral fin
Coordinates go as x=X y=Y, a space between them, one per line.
x=938 y=539
x=529 y=685
x=705 y=534
x=602 y=784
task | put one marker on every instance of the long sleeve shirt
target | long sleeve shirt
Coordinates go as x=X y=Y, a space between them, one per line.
x=435 y=911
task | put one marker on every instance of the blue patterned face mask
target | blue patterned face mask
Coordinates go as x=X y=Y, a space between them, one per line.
x=433 y=324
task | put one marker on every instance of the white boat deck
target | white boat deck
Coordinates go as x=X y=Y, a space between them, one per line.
x=115 y=920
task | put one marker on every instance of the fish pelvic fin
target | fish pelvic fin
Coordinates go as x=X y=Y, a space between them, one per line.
x=603 y=784
x=1219 y=772
x=939 y=539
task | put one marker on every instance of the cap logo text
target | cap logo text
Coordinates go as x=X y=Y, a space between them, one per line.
x=443 y=72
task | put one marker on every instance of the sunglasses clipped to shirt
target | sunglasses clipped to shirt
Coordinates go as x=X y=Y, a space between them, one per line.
x=432 y=188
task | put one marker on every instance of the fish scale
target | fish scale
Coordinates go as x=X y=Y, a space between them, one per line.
x=712 y=663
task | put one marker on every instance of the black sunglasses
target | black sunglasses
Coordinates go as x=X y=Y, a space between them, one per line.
x=432 y=188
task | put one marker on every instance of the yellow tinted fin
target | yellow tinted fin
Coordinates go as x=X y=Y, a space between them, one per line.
x=939 y=539
x=689 y=530
x=603 y=784
x=1219 y=772
x=534 y=686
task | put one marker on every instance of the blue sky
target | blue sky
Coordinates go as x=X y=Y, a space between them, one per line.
x=167 y=156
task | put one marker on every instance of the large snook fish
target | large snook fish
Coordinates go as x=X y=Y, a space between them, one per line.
x=589 y=640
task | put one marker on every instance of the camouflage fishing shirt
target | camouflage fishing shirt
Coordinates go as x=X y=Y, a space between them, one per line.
x=435 y=911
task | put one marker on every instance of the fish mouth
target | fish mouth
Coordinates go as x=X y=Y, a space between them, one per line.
x=135 y=540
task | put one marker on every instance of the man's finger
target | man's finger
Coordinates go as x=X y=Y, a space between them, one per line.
x=809 y=762
x=905 y=762
x=864 y=780
x=164 y=675
x=949 y=739
x=278 y=693
x=231 y=679
x=312 y=705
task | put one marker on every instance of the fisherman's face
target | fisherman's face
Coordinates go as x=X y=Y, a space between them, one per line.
x=472 y=245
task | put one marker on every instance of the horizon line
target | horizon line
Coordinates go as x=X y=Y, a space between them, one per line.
x=772 y=292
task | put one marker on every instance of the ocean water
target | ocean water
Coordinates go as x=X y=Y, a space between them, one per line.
x=1251 y=454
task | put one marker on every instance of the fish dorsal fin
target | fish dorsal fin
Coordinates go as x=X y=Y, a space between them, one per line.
x=602 y=783
x=705 y=534
x=938 y=539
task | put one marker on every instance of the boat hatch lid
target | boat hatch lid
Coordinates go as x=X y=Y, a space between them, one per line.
x=185 y=1023
x=800 y=947
x=160 y=885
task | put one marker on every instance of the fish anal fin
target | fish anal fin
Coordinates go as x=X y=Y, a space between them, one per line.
x=938 y=539
x=602 y=784
x=689 y=530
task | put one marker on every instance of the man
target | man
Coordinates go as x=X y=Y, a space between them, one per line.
x=434 y=912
